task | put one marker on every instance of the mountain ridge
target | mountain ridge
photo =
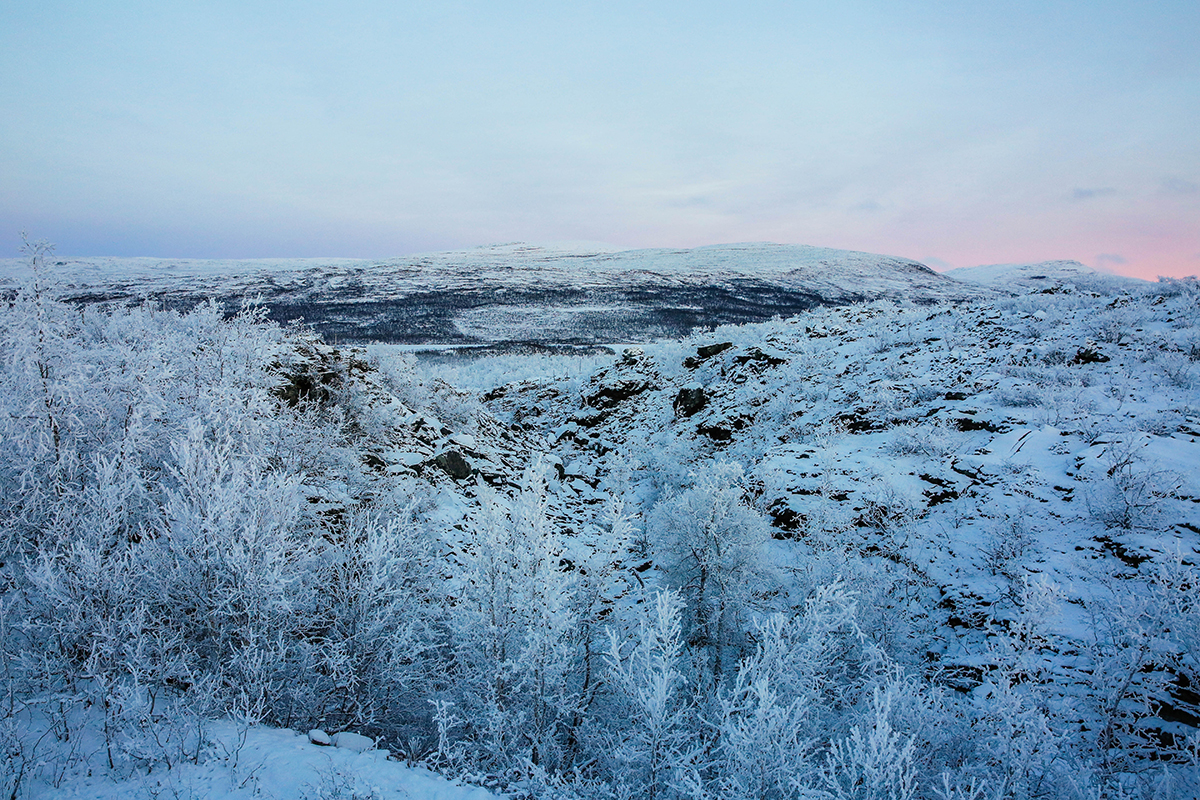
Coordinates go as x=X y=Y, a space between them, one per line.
x=566 y=296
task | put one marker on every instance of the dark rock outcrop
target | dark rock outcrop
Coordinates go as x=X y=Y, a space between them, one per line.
x=612 y=393
x=689 y=401
x=454 y=464
x=707 y=351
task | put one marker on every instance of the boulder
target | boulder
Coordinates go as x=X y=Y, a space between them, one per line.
x=613 y=392
x=690 y=400
x=716 y=432
x=757 y=355
x=454 y=464
x=319 y=737
x=709 y=350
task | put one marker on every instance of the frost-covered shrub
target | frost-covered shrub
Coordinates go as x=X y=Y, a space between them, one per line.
x=711 y=541
x=931 y=438
x=1131 y=490
x=1114 y=324
x=1177 y=367
x=874 y=762
x=1183 y=292
x=891 y=511
x=1005 y=545
x=160 y=540
x=922 y=393
x=1161 y=423
x=513 y=624
x=1017 y=394
x=654 y=739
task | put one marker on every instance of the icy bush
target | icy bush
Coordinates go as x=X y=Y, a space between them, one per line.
x=933 y=438
x=1129 y=492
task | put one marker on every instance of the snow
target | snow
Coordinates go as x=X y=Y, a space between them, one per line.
x=515 y=267
x=1042 y=274
x=993 y=488
x=1027 y=482
x=265 y=762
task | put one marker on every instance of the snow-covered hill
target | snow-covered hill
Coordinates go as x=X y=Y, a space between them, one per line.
x=966 y=467
x=519 y=293
x=1045 y=274
x=939 y=546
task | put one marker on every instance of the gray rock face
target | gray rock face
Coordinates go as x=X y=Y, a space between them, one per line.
x=705 y=352
x=614 y=392
x=712 y=349
x=454 y=464
x=690 y=400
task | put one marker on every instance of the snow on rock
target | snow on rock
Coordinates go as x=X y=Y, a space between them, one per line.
x=348 y=740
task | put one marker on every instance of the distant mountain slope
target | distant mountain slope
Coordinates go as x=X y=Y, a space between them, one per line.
x=519 y=293
x=1042 y=274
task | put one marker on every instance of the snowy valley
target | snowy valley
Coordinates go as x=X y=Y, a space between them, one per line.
x=834 y=527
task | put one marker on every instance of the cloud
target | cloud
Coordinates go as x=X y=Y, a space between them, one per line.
x=1179 y=186
x=1107 y=261
x=937 y=263
x=867 y=207
x=1088 y=194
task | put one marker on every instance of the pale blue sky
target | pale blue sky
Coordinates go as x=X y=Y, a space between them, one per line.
x=957 y=133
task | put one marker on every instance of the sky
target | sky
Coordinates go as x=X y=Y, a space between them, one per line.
x=956 y=133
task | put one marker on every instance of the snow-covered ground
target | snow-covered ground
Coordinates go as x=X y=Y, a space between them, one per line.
x=888 y=548
x=239 y=763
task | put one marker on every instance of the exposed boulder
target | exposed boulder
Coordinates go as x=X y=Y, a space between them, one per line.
x=454 y=464
x=690 y=400
x=315 y=370
x=718 y=432
x=589 y=418
x=707 y=351
x=758 y=355
x=968 y=424
x=614 y=392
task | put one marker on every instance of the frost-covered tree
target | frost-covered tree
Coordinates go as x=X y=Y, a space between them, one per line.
x=651 y=738
x=379 y=615
x=513 y=617
x=712 y=541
